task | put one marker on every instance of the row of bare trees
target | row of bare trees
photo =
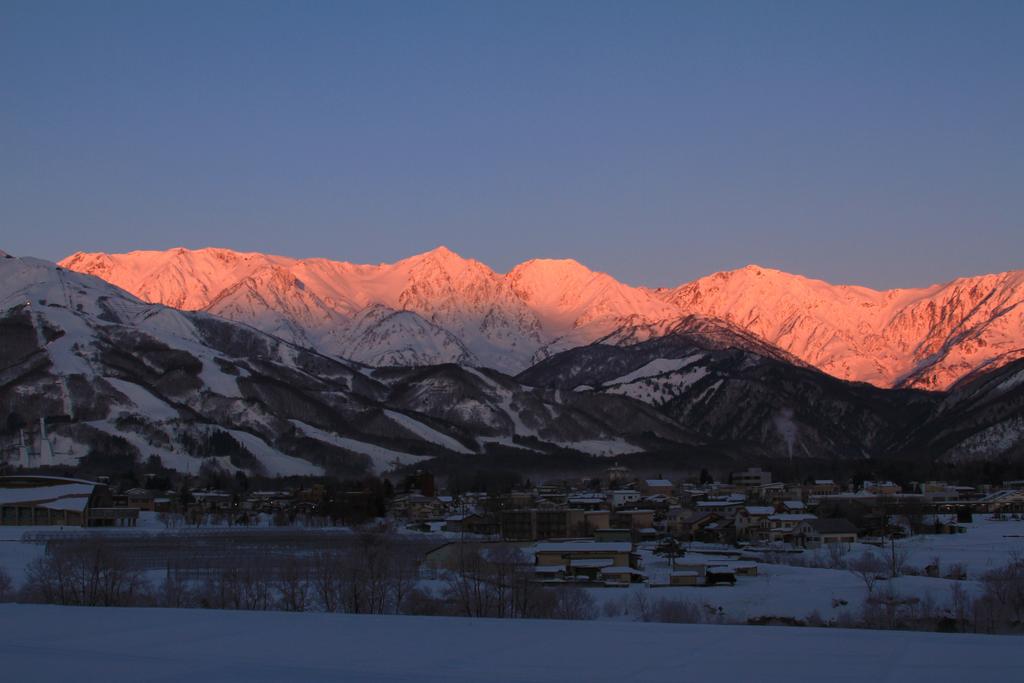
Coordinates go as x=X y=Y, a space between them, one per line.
x=374 y=572
x=84 y=572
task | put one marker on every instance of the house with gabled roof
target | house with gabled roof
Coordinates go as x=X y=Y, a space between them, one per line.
x=814 y=533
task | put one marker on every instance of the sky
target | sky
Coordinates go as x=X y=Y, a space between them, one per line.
x=877 y=143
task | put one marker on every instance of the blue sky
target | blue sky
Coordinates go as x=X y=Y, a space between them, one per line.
x=879 y=143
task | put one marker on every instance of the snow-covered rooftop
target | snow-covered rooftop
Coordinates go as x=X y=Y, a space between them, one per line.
x=584 y=547
x=58 y=497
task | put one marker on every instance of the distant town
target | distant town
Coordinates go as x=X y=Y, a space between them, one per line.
x=612 y=531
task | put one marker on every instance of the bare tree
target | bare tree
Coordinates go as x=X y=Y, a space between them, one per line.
x=897 y=557
x=174 y=590
x=835 y=555
x=676 y=611
x=960 y=606
x=573 y=602
x=1005 y=587
x=293 y=585
x=326 y=580
x=868 y=567
x=84 y=572
x=6 y=586
x=471 y=586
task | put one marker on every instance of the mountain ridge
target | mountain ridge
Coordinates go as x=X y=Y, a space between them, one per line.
x=927 y=337
x=123 y=380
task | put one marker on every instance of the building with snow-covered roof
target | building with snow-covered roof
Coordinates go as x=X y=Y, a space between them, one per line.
x=623 y=498
x=587 y=501
x=1001 y=501
x=782 y=526
x=727 y=507
x=695 y=570
x=38 y=500
x=591 y=561
x=814 y=533
x=752 y=522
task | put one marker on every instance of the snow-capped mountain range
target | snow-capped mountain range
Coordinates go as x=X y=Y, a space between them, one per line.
x=122 y=378
x=438 y=307
x=123 y=381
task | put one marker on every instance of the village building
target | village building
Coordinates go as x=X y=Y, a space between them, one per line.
x=536 y=524
x=815 y=533
x=791 y=506
x=752 y=522
x=782 y=526
x=415 y=507
x=617 y=474
x=820 y=487
x=633 y=519
x=589 y=561
x=656 y=487
x=687 y=525
x=769 y=493
x=623 y=498
x=1007 y=501
x=41 y=500
x=708 y=570
x=725 y=507
x=621 y=535
x=597 y=519
x=751 y=477
x=143 y=499
x=587 y=501
x=881 y=488
x=471 y=523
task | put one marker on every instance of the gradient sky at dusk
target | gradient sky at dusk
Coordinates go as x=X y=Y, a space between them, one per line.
x=880 y=143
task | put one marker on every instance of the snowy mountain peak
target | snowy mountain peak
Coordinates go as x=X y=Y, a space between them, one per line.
x=441 y=258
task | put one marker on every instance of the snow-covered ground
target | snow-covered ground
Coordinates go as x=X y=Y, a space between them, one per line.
x=48 y=643
x=988 y=544
x=779 y=590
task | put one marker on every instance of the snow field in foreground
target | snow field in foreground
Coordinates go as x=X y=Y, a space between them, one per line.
x=49 y=643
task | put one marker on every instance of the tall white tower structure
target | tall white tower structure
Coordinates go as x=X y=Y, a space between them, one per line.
x=23 y=451
x=45 y=447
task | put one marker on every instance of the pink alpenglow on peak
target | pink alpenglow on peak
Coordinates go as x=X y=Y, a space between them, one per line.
x=460 y=310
